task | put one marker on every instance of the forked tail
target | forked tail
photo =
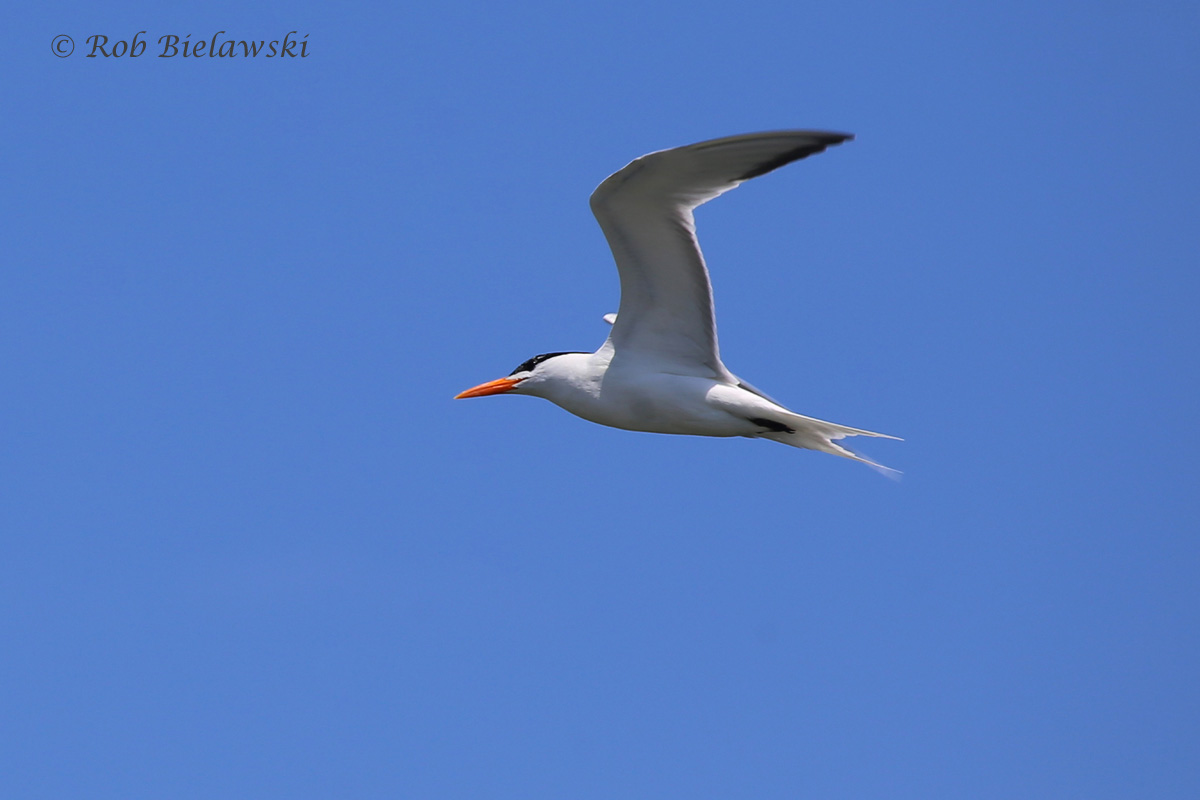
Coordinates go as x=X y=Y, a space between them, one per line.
x=817 y=434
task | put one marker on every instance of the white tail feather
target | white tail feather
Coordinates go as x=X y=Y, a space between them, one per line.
x=817 y=434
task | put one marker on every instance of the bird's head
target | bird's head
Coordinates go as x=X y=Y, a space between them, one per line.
x=525 y=379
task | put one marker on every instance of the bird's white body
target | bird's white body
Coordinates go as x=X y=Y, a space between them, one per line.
x=660 y=369
x=593 y=387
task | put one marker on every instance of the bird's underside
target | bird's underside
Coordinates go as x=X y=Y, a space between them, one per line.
x=660 y=369
x=699 y=406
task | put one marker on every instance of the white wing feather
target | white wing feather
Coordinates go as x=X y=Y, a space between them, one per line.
x=645 y=211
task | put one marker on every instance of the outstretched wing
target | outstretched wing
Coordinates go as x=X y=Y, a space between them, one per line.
x=645 y=210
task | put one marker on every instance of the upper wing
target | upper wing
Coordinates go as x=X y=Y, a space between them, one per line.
x=645 y=210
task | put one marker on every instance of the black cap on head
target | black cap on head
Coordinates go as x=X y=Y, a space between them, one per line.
x=527 y=366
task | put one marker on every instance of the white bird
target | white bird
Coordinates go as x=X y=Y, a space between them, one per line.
x=660 y=369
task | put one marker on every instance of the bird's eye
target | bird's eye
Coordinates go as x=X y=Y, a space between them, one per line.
x=526 y=366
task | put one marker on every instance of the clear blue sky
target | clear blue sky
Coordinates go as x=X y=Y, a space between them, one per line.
x=250 y=547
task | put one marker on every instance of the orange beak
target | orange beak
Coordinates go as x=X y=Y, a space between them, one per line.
x=498 y=386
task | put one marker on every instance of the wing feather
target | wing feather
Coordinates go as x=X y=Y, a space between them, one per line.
x=645 y=211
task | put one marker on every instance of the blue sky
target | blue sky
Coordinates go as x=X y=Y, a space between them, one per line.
x=251 y=548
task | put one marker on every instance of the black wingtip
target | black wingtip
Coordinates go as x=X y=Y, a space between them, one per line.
x=795 y=154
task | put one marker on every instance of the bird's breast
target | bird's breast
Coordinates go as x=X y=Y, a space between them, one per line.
x=655 y=402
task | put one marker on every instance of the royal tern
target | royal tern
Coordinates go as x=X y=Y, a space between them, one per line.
x=660 y=369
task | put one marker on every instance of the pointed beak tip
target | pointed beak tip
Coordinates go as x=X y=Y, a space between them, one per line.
x=498 y=386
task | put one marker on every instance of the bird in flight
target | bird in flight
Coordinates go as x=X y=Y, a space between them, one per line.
x=660 y=369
